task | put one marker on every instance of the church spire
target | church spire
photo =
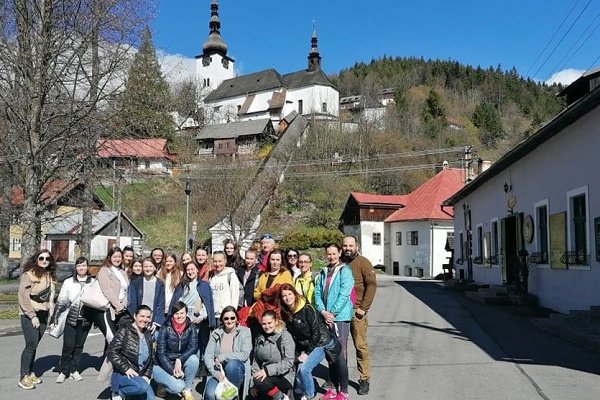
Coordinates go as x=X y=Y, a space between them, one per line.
x=214 y=43
x=314 y=58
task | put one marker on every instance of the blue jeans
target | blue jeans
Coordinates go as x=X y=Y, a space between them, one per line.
x=304 y=378
x=133 y=387
x=177 y=385
x=234 y=371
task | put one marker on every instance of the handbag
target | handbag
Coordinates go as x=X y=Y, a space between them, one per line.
x=93 y=297
x=59 y=328
x=225 y=390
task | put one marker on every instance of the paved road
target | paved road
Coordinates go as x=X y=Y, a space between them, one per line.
x=426 y=344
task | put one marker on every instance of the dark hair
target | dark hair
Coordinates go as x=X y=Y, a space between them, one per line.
x=180 y=305
x=332 y=244
x=142 y=307
x=128 y=248
x=229 y=309
x=162 y=262
x=185 y=281
x=231 y=241
x=110 y=253
x=291 y=250
x=81 y=260
x=31 y=264
x=283 y=263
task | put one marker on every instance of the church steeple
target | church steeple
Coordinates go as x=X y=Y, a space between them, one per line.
x=314 y=58
x=214 y=43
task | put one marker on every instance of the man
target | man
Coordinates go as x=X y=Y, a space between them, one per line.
x=365 y=285
x=267 y=244
x=247 y=277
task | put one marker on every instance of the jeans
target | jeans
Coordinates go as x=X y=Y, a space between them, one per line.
x=358 y=329
x=234 y=371
x=32 y=339
x=177 y=385
x=136 y=386
x=304 y=378
x=73 y=340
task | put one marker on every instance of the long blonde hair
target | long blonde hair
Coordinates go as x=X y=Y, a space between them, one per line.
x=176 y=272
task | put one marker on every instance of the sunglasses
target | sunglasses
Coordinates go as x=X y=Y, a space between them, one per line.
x=229 y=318
x=43 y=258
x=292 y=255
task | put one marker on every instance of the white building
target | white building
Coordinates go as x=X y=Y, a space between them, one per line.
x=263 y=94
x=542 y=197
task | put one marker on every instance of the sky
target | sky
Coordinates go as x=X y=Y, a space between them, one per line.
x=547 y=40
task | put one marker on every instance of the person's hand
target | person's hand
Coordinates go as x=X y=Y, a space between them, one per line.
x=260 y=375
x=302 y=357
x=130 y=373
x=52 y=326
x=177 y=371
x=153 y=328
x=35 y=322
x=197 y=320
x=254 y=392
x=220 y=377
x=359 y=313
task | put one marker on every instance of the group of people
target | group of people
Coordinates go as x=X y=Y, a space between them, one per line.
x=259 y=324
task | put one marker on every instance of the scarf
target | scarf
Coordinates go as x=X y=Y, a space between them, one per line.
x=179 y=328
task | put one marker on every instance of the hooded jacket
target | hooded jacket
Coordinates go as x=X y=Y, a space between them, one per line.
x=338 y=295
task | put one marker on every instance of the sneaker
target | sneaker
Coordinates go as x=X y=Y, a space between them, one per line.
x=60 y=378
x=162 y=392
x=187 y=394
x=116 y=396
x=341 y=396
x=34 y=379
x=26 y=383
x=328 y=385
x=330 y=394
x=76 y=376
x=363 y=387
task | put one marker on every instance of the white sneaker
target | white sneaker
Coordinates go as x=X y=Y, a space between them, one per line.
x=60 y=378
x=76 y=376
x=116 y=396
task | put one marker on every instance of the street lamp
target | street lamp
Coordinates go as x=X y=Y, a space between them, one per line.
x=187 y=191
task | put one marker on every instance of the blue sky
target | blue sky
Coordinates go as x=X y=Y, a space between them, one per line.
x=262 y=34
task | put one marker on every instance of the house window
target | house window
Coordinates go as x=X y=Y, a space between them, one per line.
x=324 y=107
x=300 y=107
x=376 y=239
x=578 y=224
x=413 y=238
x=15 y=244
x=398 y=238
x=541 y=231
x=147 y=164
x=220 y=145
x=495 y=240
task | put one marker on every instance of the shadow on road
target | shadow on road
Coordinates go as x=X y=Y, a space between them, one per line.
x=513 y=337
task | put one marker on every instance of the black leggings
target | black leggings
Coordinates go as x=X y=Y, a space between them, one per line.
x=269 y=383
x=74 y=339
x=104 y=322
x=32 y=339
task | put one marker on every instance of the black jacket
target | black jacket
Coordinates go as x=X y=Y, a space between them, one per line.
x=170 y=346
x=250 y=284
x=307 y=328
x=124 y=349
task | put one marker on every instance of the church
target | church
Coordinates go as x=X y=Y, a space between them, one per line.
x=226 y=97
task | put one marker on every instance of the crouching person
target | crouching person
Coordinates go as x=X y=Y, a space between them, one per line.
x=176 y=348
x=130 y=353
x=228 y=347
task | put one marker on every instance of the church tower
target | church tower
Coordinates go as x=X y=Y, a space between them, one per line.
x=314 y=58
x=213 y=66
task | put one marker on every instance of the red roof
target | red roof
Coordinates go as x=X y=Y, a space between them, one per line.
x=52 y=190
x=425 y=202
x=134 y=148
x=379 y=199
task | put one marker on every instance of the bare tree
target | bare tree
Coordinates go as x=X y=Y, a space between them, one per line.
x=60 y=62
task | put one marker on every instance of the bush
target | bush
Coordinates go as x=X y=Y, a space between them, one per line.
x=311 y=237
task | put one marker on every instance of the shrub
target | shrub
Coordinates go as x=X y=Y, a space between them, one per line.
x=306 y=238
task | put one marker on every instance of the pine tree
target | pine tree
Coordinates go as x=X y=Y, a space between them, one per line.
x=145 y=104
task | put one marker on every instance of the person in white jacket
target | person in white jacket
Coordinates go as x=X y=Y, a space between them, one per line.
x=76 y=327
x=224 y=283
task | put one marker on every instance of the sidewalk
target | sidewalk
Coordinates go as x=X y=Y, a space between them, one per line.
x=10 y=327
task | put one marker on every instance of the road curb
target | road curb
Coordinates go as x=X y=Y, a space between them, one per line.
x=10 y=331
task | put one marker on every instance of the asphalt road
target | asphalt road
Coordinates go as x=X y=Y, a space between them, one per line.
x=426 y=343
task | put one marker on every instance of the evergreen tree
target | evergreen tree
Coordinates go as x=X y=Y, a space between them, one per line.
x=487 y=119
x=145 y=104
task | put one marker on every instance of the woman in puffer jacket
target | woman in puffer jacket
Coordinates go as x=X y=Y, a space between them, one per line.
x=273 y=366
x=76 y=327
x=176 y=348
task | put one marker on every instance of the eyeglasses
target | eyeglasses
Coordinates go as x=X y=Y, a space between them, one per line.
x=229 y=318
x=292 y=255
x=43 y=258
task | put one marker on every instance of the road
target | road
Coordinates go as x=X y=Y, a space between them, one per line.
x=426 y=343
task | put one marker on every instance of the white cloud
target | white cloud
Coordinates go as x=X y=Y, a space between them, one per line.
x=176 y=67
x=565 y=77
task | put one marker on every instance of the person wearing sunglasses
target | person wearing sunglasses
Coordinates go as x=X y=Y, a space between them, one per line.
x=35 y=295
x=291 y=258
x=228 y=354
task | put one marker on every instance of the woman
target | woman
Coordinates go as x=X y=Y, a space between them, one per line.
x=132 y=357
x=176 y=348
x=228 y=347
x=197 y=295
x=313 y=342
x=332 y=298
x=158 y=255
x=135 y=269
x=186 y=258
x=76 y=327
x=273 y=366
x=150 y=292
x=36 y=294
x=171 y=276
x=224 y=284
x=232 y=252
x=204 y=263
x=114 y=284
x=276 y=273
x=291 y=258
x=305 y=283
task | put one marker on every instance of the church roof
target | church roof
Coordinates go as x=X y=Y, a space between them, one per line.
x=304 y=78
x=235 y=129
x=245 y=84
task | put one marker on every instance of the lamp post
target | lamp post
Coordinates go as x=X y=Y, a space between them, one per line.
x=187 y=191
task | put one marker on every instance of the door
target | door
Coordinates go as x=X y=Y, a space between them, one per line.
x=511 y=238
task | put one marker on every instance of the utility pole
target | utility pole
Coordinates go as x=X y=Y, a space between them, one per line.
x=468 y=164
x=119 y=209
x=187 y=191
